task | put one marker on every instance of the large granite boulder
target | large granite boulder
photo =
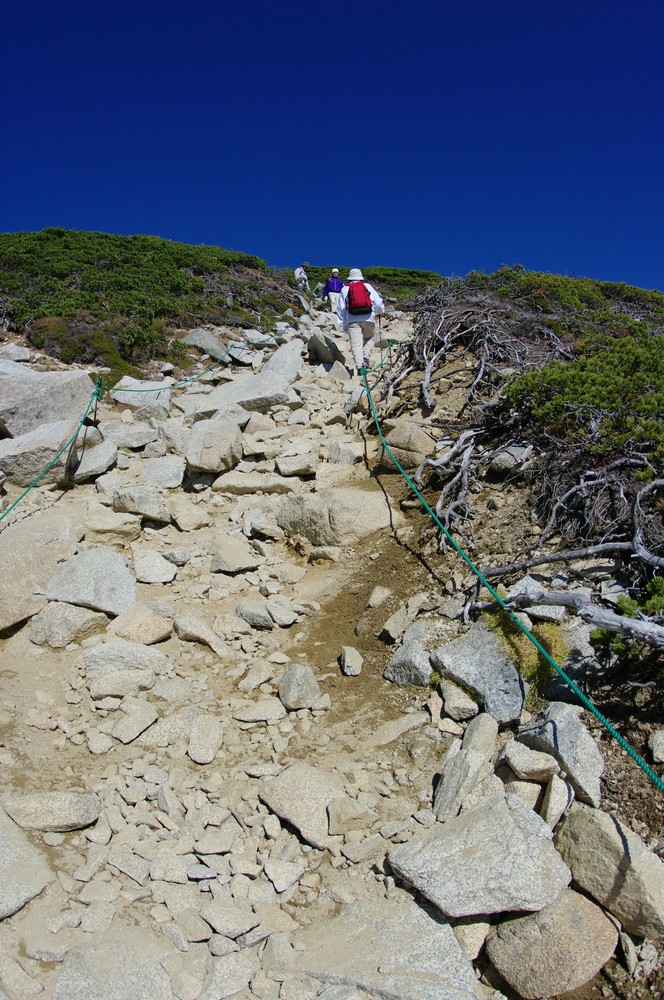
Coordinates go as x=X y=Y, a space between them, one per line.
x=388 y=948
x=301 y=794
x=338 y=516
x=30 y=552
x=52 y=810
x=614 y=866
x=558 y=949
x=214 y=446
x=29 y=398
x=560 y=732
x=497 y=857
x=136 y=393
x=409 y=443
x=23 y=872
x=269 y=387
x=478 y=662
x=97 y=578
x=116 y=966
x=24 y=457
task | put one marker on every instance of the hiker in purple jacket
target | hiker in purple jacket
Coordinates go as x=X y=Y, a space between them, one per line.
x=333 y=286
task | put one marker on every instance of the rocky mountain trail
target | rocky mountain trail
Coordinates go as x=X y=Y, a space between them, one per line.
x=251 y=743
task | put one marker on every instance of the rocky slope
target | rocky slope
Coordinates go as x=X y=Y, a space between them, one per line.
x=225 y=772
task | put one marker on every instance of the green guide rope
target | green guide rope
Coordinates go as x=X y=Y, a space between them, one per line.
x=498 y=599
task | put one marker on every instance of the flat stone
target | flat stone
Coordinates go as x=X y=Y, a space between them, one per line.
x=256 y=614
x=52 y=810
x=283 y=874
x=558 y=949
x=219 y=839
x=191 y=626
x=298 y=465
x=137 y=716
x=409 y=665
x=230 y=975
x=614 y=866
x=300 y=794
x=478 y=662
x=111 y=528
x=531 y=765
x=23 y=872
x=114 y=967
x=378 y=596
x=230 y=918
x=560 y=733
x=388 y=948
x=214 y=446
x=656 y=745
x=460 y=773
x=409 y=442
x=14 y=352
x=458 y=705
x=394 y=729
x=166 y=472
x=494 y=858
x=122 y=655
x=98 y=579
x=207 y=342
x=266 y=710
x=144 y=500
x=205 y=739
x=30 y=553
x=95 y=461
x=558 y=797
x=247 y=483
x=480 y=735
x=269 y=387
x=187 y=515
x=128 y=435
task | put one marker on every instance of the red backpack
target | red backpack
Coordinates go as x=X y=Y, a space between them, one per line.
x=359 y=300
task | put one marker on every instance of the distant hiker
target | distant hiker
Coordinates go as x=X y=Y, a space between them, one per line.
x=302 y=279
x=359 y=304
x=333 y=286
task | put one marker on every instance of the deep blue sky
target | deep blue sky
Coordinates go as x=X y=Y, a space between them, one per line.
x=439 y=135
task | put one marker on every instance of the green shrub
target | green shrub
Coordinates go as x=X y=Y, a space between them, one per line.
x=133 y=289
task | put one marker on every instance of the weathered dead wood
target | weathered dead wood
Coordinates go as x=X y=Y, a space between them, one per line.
x=640 y=630
x=604 y=548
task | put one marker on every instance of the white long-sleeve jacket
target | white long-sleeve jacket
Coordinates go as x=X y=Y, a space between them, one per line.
x=345 y=318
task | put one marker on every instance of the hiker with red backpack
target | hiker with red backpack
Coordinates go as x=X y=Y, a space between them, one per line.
x=359 y=304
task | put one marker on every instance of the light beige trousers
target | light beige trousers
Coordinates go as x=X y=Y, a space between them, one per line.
x=361 y=338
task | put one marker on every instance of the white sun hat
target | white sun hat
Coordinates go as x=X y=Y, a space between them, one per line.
x=355 y=274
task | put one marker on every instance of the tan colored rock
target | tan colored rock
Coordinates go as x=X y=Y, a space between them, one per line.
x=556 y=950
x=113 y=528
x=187 y=515
x=409 y=443
x=338 y=516
x=615 y=867
x=139 y=623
